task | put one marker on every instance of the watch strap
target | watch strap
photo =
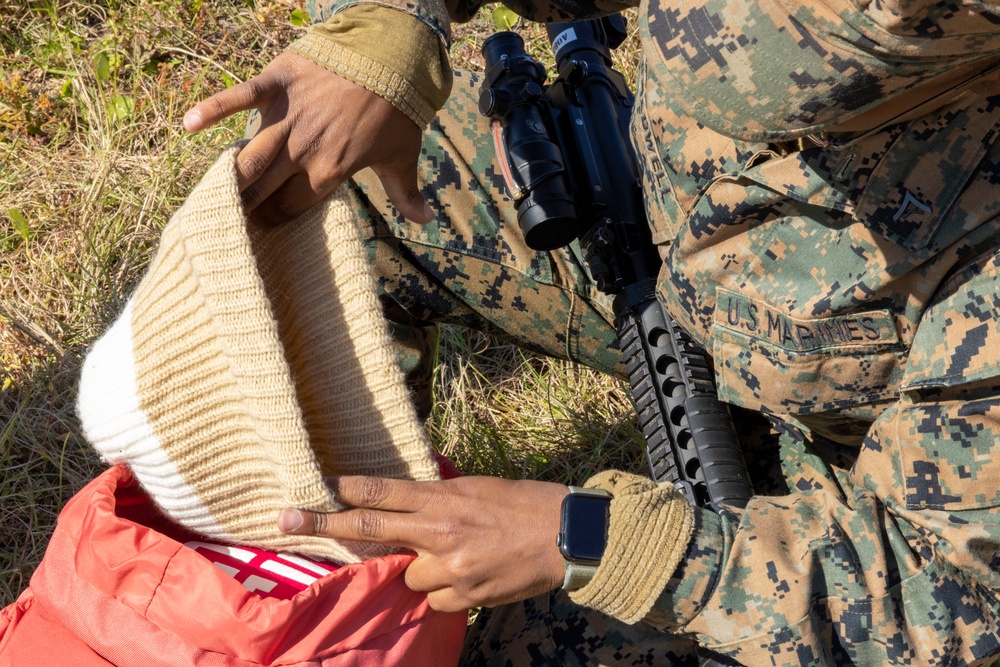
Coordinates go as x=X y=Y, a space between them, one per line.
x=588 y=492
x=578 y=575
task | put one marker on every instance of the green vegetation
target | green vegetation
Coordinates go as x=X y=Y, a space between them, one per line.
x=93 y=161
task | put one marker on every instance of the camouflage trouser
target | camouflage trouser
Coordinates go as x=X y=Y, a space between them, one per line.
x=551 y=630
x=471 y=267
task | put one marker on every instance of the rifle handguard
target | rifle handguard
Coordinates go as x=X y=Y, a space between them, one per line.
x=690 y=437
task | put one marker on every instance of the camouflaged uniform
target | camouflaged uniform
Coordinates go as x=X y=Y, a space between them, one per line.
x=838 y=256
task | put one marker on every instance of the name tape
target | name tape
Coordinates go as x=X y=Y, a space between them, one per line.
x=740 y=314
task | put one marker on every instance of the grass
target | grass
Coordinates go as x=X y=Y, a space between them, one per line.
x=92 y=163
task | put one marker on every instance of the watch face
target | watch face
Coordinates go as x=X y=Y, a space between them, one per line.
x=584 y=527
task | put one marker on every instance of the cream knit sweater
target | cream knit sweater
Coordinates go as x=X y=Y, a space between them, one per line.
x=245 y=368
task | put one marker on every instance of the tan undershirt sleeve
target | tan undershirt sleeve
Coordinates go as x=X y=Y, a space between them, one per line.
x=648 y=535
x=389 y=52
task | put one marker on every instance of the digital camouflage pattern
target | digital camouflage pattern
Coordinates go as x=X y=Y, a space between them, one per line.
x=848 y=287
x=552 y=630
x=771 y=70
x=471 y=265
x=439 y=14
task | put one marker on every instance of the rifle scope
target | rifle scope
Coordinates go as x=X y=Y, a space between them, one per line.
x=532 y=162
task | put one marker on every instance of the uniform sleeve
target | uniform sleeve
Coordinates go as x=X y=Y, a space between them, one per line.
x=414 y=74
x=438 y=14
x=899 y=562
x=399 y=49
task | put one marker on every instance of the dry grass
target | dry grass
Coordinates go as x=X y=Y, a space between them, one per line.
x=92 y=162
x=503 y=411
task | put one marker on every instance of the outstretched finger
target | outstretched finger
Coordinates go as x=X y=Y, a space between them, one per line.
x=242 y=97
x=359 y=525
x=395 y=495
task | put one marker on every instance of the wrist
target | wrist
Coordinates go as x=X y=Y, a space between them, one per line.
x=649 y=528
x=583 y=534
x=414 y=74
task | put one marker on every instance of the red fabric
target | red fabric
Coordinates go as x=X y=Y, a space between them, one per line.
x=113 y=591
x=448 y=468
x=29 y=637
x=267 y=573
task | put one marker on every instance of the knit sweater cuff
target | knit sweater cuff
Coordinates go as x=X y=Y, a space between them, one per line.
x=648 y=534
x=414 y=74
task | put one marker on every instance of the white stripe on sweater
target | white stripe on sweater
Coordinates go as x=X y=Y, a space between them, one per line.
x=114 y=423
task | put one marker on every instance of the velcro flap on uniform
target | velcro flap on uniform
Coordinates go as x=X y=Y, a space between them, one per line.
x=756 y=319
x=959 y=334
x=915 y=184
x=766 y=358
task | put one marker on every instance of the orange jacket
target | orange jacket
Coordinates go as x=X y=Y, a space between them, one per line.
x=111 y=591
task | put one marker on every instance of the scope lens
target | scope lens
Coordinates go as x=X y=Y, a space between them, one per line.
x=500 y=44
x=548 y=224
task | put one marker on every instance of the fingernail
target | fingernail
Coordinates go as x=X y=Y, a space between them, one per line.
x=192 y=120
x=428 y=212
x=290 y=520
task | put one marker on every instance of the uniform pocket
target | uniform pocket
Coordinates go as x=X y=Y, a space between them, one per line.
x=913 y=187
x=900 y=182
x=947 y=453
x=770 y=360
x=949 y=423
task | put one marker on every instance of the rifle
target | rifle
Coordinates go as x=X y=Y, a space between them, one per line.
x=573 y=174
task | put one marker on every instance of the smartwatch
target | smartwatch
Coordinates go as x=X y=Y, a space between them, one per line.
x=583 y=534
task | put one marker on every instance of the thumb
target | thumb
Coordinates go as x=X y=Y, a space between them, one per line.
x=401 y=186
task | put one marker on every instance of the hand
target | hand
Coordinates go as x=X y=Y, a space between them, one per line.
x=317 y=129
x=480 y=541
